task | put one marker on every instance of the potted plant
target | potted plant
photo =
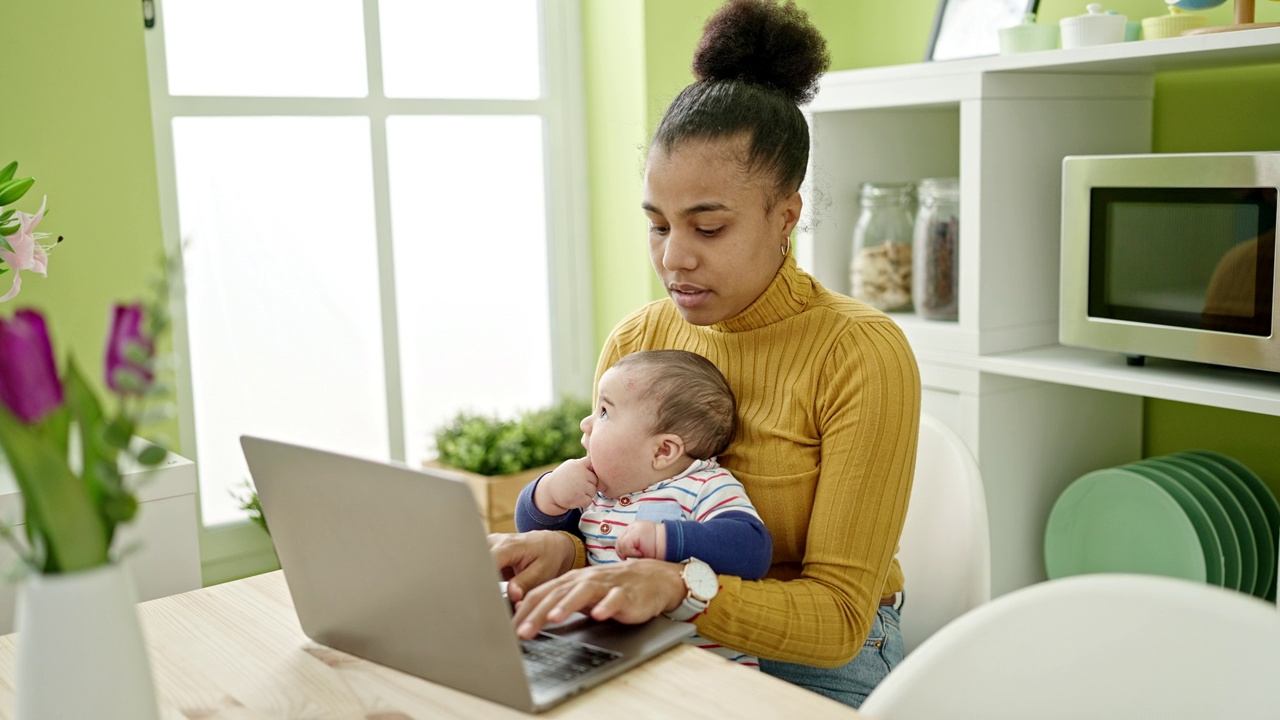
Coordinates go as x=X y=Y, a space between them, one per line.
x=80 y=648
x=498 y=457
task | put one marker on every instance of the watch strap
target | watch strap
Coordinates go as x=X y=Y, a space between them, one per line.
x=688 y=609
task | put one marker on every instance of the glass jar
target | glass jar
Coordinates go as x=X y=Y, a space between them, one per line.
x=880 y=274
x=935 y=288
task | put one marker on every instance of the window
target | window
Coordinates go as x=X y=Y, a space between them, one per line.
x=375 y=211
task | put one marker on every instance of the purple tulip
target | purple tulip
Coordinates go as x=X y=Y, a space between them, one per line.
x=29 y=384
x=129 y=352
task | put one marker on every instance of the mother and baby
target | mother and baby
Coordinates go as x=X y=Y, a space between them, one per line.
x=759 y=495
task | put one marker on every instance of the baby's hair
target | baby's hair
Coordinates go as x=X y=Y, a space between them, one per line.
x=756 y=63
x=689 y=397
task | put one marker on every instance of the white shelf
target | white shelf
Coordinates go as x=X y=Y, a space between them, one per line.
x=1002 y=124
x=1036 y=414
x=952 y=81
x=162 y=540
x=172 y=478
x=1224 y=387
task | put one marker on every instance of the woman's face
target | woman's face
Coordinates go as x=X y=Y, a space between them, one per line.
x=712 y=243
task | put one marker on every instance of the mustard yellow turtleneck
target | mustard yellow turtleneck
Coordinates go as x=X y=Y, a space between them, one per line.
x=828 y=403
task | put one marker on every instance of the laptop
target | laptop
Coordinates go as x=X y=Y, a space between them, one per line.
x=391 y=564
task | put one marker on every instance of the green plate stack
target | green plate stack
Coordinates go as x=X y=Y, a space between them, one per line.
x=1199 y=515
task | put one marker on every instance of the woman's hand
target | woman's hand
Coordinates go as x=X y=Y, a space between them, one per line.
x=529 y=559
x=630 y=592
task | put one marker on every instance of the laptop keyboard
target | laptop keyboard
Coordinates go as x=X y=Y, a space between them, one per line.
x=551 y=659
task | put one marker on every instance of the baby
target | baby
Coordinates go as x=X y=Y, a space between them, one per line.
x=650 y=486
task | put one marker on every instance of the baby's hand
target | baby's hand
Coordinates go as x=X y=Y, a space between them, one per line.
x=568 y=487
x=643 y=539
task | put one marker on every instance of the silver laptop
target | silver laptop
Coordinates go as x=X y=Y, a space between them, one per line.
x=391 y=564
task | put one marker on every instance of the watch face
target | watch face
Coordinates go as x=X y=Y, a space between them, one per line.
x=701 y=580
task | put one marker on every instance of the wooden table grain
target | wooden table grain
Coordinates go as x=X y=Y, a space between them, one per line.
x=236 y=652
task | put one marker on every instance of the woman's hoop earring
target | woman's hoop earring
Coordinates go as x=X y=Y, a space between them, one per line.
x=785 y=248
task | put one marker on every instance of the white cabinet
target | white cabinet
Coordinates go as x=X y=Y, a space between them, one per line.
x=165 y=550
x=1036 y=414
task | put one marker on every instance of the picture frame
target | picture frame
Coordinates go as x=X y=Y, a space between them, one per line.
x=967 y=28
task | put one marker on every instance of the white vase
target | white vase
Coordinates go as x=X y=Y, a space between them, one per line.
x=80 y=648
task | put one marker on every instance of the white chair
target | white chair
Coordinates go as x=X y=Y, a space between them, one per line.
x=1095 y=646
x=945 y=548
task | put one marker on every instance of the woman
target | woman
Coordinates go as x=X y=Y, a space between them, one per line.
x=828 y=390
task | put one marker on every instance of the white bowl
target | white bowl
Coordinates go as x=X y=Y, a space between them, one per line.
x=1172 y=25
x=1095 y=28
x=1028 y=37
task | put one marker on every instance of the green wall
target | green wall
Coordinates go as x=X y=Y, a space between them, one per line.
x=637 y=57
x=1221 y=110
x=614 y=53
x=78 y=119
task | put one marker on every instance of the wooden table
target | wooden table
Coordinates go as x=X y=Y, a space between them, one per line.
x=236 y=651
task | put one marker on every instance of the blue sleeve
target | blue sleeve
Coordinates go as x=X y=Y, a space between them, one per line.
x=732 y=543
x=529 y=517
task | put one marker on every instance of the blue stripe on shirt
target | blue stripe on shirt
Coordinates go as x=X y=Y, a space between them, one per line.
x=730 y=486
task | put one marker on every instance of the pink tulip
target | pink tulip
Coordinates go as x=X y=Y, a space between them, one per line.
x=28 y=253
x=129 y=352
x=29 y=384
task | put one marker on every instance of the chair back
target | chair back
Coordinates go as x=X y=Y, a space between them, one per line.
x=1095 y=646
x=945 y=550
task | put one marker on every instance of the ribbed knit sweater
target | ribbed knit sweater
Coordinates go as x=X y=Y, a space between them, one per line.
x=828 y=406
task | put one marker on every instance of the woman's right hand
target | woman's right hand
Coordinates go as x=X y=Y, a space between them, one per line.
x=529 y=559
x=629 y=592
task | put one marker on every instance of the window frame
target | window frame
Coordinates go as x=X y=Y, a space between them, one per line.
x=239 y=549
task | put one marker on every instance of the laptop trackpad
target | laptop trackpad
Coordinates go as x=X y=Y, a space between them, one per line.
x=629 y=640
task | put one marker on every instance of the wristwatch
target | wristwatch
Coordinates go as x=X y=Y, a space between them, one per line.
x=701 y=584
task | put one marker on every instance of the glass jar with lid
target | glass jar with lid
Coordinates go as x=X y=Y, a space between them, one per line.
x=880 y=274
x=935 y=284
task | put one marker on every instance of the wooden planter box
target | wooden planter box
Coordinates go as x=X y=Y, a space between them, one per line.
x=496 y=494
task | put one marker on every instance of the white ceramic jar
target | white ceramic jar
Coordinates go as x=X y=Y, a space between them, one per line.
x=1094 y=28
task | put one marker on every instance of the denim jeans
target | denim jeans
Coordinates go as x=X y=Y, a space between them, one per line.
x=851 y=683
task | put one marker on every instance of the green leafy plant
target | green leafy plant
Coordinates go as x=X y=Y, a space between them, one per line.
x=251 y=505
x=489 y=445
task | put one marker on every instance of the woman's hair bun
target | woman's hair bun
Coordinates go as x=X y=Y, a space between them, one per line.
x=763 y=42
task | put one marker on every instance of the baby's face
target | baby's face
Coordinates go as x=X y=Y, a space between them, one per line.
x=620 y=448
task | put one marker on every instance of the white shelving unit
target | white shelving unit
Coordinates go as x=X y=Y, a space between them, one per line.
x=1036 y=414
x=164 y=557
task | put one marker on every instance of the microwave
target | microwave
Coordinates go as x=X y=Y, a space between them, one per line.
x=1172 y=256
